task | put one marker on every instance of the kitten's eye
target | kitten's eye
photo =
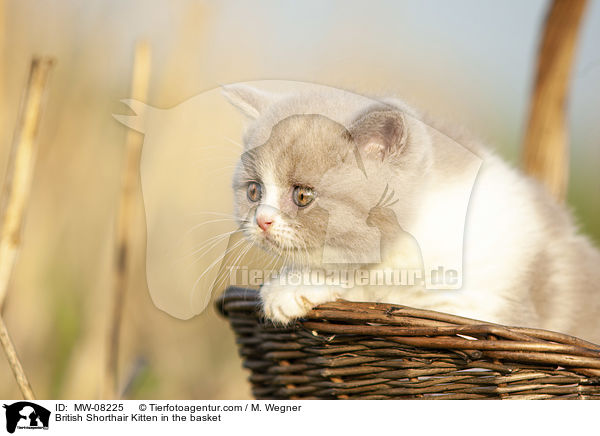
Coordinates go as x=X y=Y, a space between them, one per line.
x=254 y=192
x=303 y=196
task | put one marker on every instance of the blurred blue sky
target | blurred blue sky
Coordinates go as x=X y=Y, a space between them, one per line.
x=479 y=51
x=467 y=60
x=472 y=61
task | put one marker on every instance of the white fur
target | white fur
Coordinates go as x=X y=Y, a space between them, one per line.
x=524 y=262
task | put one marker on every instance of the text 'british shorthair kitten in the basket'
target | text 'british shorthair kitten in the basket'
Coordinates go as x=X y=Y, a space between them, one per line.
x=334 y=181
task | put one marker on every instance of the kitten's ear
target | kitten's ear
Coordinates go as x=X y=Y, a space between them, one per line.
x=380 y=133
x=250 y=101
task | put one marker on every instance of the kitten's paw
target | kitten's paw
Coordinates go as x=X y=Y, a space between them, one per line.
x=283 y=304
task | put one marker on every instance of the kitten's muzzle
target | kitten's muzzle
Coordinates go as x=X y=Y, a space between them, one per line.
x=265 y=217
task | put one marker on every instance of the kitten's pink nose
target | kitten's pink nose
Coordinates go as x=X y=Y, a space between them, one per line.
x=264 y=217
x=264 y=223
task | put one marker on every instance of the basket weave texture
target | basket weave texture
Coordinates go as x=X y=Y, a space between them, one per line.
x=349 y=350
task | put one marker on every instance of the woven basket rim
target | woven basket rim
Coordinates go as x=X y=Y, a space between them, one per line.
x=430 y=330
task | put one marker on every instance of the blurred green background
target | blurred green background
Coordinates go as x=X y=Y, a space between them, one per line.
x=467 y=61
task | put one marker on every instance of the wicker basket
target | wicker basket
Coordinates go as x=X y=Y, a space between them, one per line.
x=347 y=350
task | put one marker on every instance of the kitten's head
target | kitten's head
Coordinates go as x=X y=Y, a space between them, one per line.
x=314 y=181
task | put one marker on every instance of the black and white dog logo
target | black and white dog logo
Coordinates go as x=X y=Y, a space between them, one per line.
x=26 y=415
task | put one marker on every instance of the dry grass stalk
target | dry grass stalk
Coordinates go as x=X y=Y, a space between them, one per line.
x=2 y=50
x=130 y=176
x=20 y=170
x=16 y=195
x=14 y=363
x=546 y=154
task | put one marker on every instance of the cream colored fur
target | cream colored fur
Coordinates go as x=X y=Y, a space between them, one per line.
x=524 y=261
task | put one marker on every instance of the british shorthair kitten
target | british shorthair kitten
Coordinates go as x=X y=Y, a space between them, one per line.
x=331 y=179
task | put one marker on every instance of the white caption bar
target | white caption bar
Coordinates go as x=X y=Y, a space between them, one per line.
x=295 y=417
